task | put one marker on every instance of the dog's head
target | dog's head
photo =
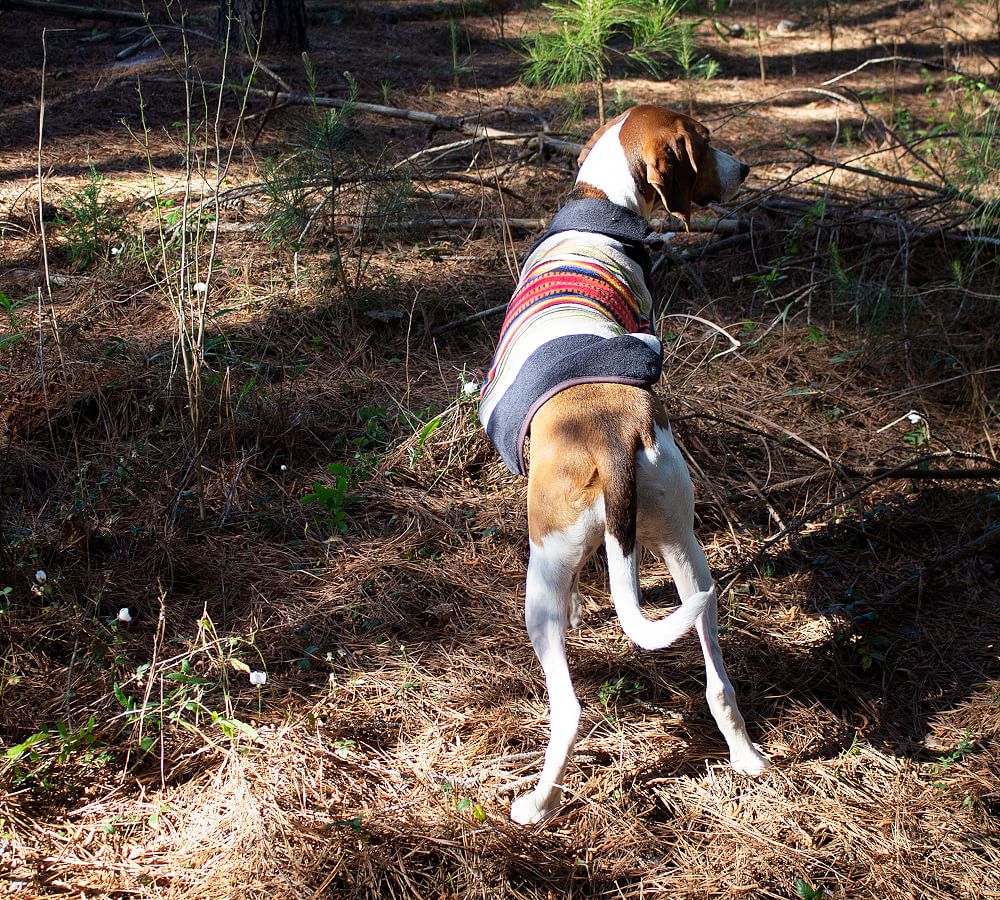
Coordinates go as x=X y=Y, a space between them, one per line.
x=669 y=159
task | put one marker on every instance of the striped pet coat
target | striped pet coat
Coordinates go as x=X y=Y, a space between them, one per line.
x=581 y=313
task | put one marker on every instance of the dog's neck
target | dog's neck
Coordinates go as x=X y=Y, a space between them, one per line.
x=607 y=174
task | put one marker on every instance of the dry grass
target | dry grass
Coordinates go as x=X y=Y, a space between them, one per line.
x=403 y=708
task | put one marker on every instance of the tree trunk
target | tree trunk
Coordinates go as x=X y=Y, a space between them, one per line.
x=263 y=25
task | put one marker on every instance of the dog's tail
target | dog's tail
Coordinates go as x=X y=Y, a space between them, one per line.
x=619 y=477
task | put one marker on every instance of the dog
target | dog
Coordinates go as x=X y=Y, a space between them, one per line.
x=575 y=365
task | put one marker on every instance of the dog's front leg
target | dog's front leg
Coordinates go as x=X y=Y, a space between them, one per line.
x=547 y=603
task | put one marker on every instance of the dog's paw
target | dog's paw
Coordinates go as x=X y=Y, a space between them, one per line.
x=529 y=810
x=752 y=763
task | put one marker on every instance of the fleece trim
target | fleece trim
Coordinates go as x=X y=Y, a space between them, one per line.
x=581 y=313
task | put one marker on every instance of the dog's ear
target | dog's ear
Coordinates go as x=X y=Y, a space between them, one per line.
x=596 y=136
x=671 y=156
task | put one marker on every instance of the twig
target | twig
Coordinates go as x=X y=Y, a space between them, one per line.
x=522 y=224
x=943 y=191
x=920 y=232
x=69 y=682
x=894 y=59
x=443 y=149
x=930 y=474
x=819 y=454
x=775 y=515
x=465 y=320
x=785 y=485
x=481 y=182
x=45 y=252
x=267 y=70
x=734 y=344
x=42 y=378
x=232 y=489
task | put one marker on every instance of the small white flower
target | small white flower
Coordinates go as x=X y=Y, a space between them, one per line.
x=332 y=678
x=284 y=468
x=200 y=287
x=913 y=417
x=124 y=615
x=470 y=387
x=258 y=678
x=40 y=576
x=116 y=250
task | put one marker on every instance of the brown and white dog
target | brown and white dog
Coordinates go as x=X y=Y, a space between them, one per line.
x=604 y=465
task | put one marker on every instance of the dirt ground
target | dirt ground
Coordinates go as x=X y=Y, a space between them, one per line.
x=291 y=479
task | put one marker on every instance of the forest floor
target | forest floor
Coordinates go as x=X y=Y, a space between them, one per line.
x=236 y=437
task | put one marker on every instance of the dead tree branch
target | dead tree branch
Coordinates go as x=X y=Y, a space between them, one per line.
x=74 y=11
x=906 y=470
x=469 y=124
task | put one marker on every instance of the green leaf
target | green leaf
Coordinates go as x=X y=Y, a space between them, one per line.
x=123 y=698
x=806 y=891
x=188 y=679
x=230 y=726
x=429 y=429
x=354 y=824
x=18 y=750
x=845 y=356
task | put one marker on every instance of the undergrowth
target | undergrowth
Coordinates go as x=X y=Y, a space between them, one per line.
x=263 y=631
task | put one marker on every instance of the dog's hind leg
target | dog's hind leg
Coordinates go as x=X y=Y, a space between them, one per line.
x=552 y=570
x=745 y=757
x=668 y=517
x=690 y=572
x=575 y=604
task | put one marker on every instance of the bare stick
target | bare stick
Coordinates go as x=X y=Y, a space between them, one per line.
x=475 y=317
x=466 y=124
x=904 y=470
x=893 y=59
x=73 y=10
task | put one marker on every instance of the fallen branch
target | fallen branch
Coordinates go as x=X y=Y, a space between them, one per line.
x=480 y=182
x=793 y=205
x=466 y=124
x=132 y=49
x=905 y=470
x=74 y=11
x=896 y=59
x=701 y=224
x=519 y=224
x=832 y=164
x=474 y=317
x=57 y=278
